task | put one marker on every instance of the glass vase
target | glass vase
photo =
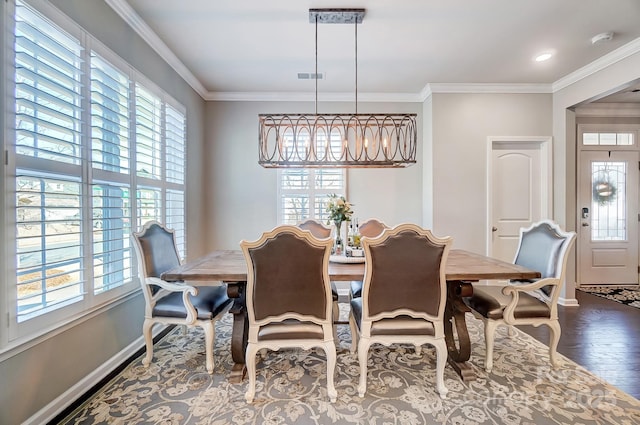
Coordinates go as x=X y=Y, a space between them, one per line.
x=338 y=244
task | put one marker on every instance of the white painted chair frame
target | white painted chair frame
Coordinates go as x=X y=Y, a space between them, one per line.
x=363 y=338
x=254 y=345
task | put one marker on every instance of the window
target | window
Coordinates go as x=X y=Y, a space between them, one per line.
x=304 y=192
x=98 y=151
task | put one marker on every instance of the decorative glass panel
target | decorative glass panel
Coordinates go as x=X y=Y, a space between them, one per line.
x=609 y=204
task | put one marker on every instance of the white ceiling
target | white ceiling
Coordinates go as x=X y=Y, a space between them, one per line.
x=253 y=47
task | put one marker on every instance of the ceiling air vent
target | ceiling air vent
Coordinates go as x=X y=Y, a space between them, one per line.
x=310 y=76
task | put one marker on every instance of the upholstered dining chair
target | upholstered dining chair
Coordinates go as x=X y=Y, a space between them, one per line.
x=173 y=302
x=369 y=229
x=543 y=247
x=288 y=297
x=321 y=231
x=403 y=295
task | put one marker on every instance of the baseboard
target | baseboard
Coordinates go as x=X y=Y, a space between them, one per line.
x=568 y=302
x=66 y=399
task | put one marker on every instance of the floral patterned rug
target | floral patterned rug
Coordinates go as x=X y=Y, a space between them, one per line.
x=625 y=295
x=521 y=390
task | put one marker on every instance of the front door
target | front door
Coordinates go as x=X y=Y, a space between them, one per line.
x=608 y=217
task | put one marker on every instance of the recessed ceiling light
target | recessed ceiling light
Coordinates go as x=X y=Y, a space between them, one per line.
x=543 y=57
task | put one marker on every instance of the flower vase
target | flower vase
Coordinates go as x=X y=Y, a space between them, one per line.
x=338 y=244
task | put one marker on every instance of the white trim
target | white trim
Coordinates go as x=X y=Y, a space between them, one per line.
x=126 y=12
x=597 y=65
x=568 y=302
x=608 y=110
x=546 y=177
x=57 y=406
x=310 y=97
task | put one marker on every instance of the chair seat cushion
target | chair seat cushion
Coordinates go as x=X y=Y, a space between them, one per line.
x=490 y=302
x=290 y=329
x=399 y=325
x=356 y=288
x=210 y=301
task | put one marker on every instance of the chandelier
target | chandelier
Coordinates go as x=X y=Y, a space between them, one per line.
x=337 y=140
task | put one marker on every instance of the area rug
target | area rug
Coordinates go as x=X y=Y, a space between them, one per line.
x=624 y=295
x=291 y=389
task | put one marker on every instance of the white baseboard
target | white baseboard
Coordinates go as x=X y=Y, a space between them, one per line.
x=568 y=302
x=66 y=399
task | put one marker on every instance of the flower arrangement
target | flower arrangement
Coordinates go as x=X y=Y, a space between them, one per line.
x=339 y=209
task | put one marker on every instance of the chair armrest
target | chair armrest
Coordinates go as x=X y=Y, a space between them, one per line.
x=515 y=290
x=187 y=290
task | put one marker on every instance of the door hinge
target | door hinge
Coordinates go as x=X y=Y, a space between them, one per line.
x=638 y=269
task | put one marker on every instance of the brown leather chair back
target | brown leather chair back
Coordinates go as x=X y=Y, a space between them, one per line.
x=288 y=276
x=405 y=273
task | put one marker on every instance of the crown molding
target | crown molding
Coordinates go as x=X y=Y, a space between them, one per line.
x=604 y=109
x=310 y=97
x=126 y=12
x=432 y=88
x=599 y=64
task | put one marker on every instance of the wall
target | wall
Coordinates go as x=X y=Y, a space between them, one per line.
x=240 y=196
x=594 y=85
x=461 y=125
x=37 y=375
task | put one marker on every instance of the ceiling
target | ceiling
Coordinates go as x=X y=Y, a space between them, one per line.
x=257 y=47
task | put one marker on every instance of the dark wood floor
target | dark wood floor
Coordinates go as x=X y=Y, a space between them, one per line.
x=601 y=335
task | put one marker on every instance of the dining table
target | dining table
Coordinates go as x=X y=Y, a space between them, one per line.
x=228 y=267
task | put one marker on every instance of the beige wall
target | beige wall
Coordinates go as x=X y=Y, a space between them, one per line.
x=40 y=373
x=461 y=125
x=593 y=86
x=240 y=197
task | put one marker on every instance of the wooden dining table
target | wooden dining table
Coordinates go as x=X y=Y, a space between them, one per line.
x=229 y=267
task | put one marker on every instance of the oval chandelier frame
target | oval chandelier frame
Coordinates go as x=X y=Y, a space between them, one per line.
x=337 y=140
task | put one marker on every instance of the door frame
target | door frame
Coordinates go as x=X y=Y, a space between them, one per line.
x=545 y=147
x=600 y=128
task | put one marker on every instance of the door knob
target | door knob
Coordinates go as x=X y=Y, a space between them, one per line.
x=494 y=229
x=585 y=224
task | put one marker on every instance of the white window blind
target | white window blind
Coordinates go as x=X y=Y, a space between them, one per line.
x=49 y=253
x=99 y=150
x=304 y=192
x=48 y=81
x=148 y=134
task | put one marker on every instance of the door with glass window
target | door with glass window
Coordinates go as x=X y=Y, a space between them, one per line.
x=608 y=217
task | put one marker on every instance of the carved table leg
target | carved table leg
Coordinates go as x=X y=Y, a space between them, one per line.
x=236 y=291
x=454 y=313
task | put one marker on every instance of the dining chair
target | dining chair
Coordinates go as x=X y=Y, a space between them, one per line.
x=321 y=231
x=288 y=297
x=174 y=303
x=403 y=295
x=370 y=229
x=543 y=247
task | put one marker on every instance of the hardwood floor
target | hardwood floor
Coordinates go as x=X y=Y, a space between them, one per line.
x=601 y=335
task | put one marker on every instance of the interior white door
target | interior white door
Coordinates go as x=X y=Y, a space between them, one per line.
x=608 y=217
x=516 y=194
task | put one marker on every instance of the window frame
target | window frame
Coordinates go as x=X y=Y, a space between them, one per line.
x=16 y=333
x=312 y=192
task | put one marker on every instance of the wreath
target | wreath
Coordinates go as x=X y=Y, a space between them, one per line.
x=604 y=192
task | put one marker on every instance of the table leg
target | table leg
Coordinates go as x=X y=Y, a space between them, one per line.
x=236 y=291
x=454 y=313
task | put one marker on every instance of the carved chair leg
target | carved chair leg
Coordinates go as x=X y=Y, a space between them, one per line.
x=330 y=350
x=148 y=341
x=250 y=359
x=363 y=353
x=441 y=361
x=489 y=336
x=354 y=335
x=209 y=342
x=554 y=336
